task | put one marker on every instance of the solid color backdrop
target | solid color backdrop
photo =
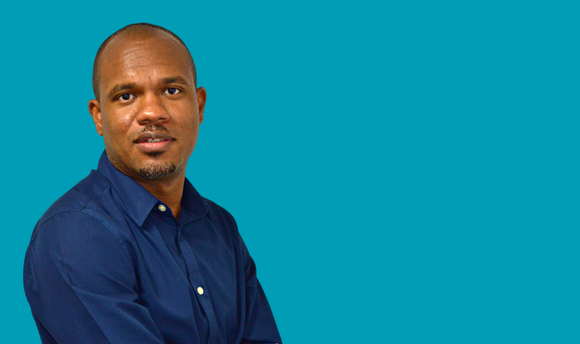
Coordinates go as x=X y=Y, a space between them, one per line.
x=402 y=172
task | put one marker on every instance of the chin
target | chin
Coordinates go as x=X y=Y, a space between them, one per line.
x=157 y=170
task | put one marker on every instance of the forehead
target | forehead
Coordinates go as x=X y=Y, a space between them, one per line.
x=132 y=58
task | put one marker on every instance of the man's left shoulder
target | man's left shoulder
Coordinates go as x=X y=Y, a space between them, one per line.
x=219 y=214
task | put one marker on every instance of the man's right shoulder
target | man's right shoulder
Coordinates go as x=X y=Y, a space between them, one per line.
x=88 y=192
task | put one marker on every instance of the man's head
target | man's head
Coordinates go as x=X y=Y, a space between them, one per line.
x=147 y=107
x=135 y=30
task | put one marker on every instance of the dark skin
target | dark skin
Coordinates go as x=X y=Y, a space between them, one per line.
x=148 y=93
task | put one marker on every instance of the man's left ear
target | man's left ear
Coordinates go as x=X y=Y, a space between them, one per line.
x=201 y=98
x=95 y=111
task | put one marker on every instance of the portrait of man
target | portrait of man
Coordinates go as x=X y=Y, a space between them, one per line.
x=133 y=253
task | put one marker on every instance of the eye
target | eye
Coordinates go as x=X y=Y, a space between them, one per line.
x=125 y=97
x=172 y=91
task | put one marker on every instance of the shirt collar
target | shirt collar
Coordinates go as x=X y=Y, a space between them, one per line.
x=138 y=201
x=192 y=201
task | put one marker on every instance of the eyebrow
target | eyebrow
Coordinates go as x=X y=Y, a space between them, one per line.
x=121 y=87
x=174 y=80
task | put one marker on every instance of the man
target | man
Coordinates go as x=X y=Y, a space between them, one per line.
x=133 y=254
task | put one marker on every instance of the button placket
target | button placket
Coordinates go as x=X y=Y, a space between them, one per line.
x=196 y=282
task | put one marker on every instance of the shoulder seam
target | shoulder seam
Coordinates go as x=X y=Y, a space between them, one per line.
x=76 y=211
x=99 y=219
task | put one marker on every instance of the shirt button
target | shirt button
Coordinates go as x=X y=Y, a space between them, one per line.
x=200 y=290
x=162 y=207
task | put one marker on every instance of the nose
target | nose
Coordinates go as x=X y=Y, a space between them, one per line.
x=152 y=110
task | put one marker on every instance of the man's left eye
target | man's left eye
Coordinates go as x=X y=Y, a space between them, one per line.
x=172 y=91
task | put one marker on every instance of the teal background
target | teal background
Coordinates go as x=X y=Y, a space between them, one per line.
x=402 y=172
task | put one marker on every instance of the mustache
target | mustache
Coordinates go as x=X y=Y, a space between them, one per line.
x=153 y=128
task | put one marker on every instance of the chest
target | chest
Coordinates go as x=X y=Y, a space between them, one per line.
x=189 y=278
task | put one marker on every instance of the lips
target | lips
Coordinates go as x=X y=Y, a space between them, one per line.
x=154 y=142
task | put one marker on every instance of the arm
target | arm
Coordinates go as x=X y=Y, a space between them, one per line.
x=80 y=282
x=260 y=325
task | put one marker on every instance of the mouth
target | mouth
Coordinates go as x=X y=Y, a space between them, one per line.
x=154 y=142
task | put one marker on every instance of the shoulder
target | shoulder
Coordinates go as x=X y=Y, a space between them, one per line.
x=76 y=229
x=77 y=199
x=225 y=224
x=78 y=248
x=68 y=230
x=85 y=210
x=219 y=214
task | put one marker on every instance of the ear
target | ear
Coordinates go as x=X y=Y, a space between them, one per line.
x=95 y=110
x=201 y=98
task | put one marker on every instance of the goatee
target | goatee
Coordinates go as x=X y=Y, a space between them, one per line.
x=160 y=170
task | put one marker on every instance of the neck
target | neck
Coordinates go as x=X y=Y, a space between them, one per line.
x=168 y=191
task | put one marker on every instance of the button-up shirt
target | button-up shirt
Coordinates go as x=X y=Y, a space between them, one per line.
x=109 y=263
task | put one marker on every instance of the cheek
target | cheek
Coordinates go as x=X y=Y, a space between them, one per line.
x=190 y=130
x=117 y=124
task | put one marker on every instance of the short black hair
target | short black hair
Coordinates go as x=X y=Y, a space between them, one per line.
x=140 y=30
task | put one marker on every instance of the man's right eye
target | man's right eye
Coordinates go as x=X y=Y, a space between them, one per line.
x=125 y=97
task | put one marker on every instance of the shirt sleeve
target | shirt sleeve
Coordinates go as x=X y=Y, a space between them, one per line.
x=260 y=324
x=81 y=285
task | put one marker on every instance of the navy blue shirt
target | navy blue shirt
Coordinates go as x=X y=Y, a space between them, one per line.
x=109 y=263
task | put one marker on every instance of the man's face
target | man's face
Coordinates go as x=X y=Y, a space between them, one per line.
x=149 y=110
